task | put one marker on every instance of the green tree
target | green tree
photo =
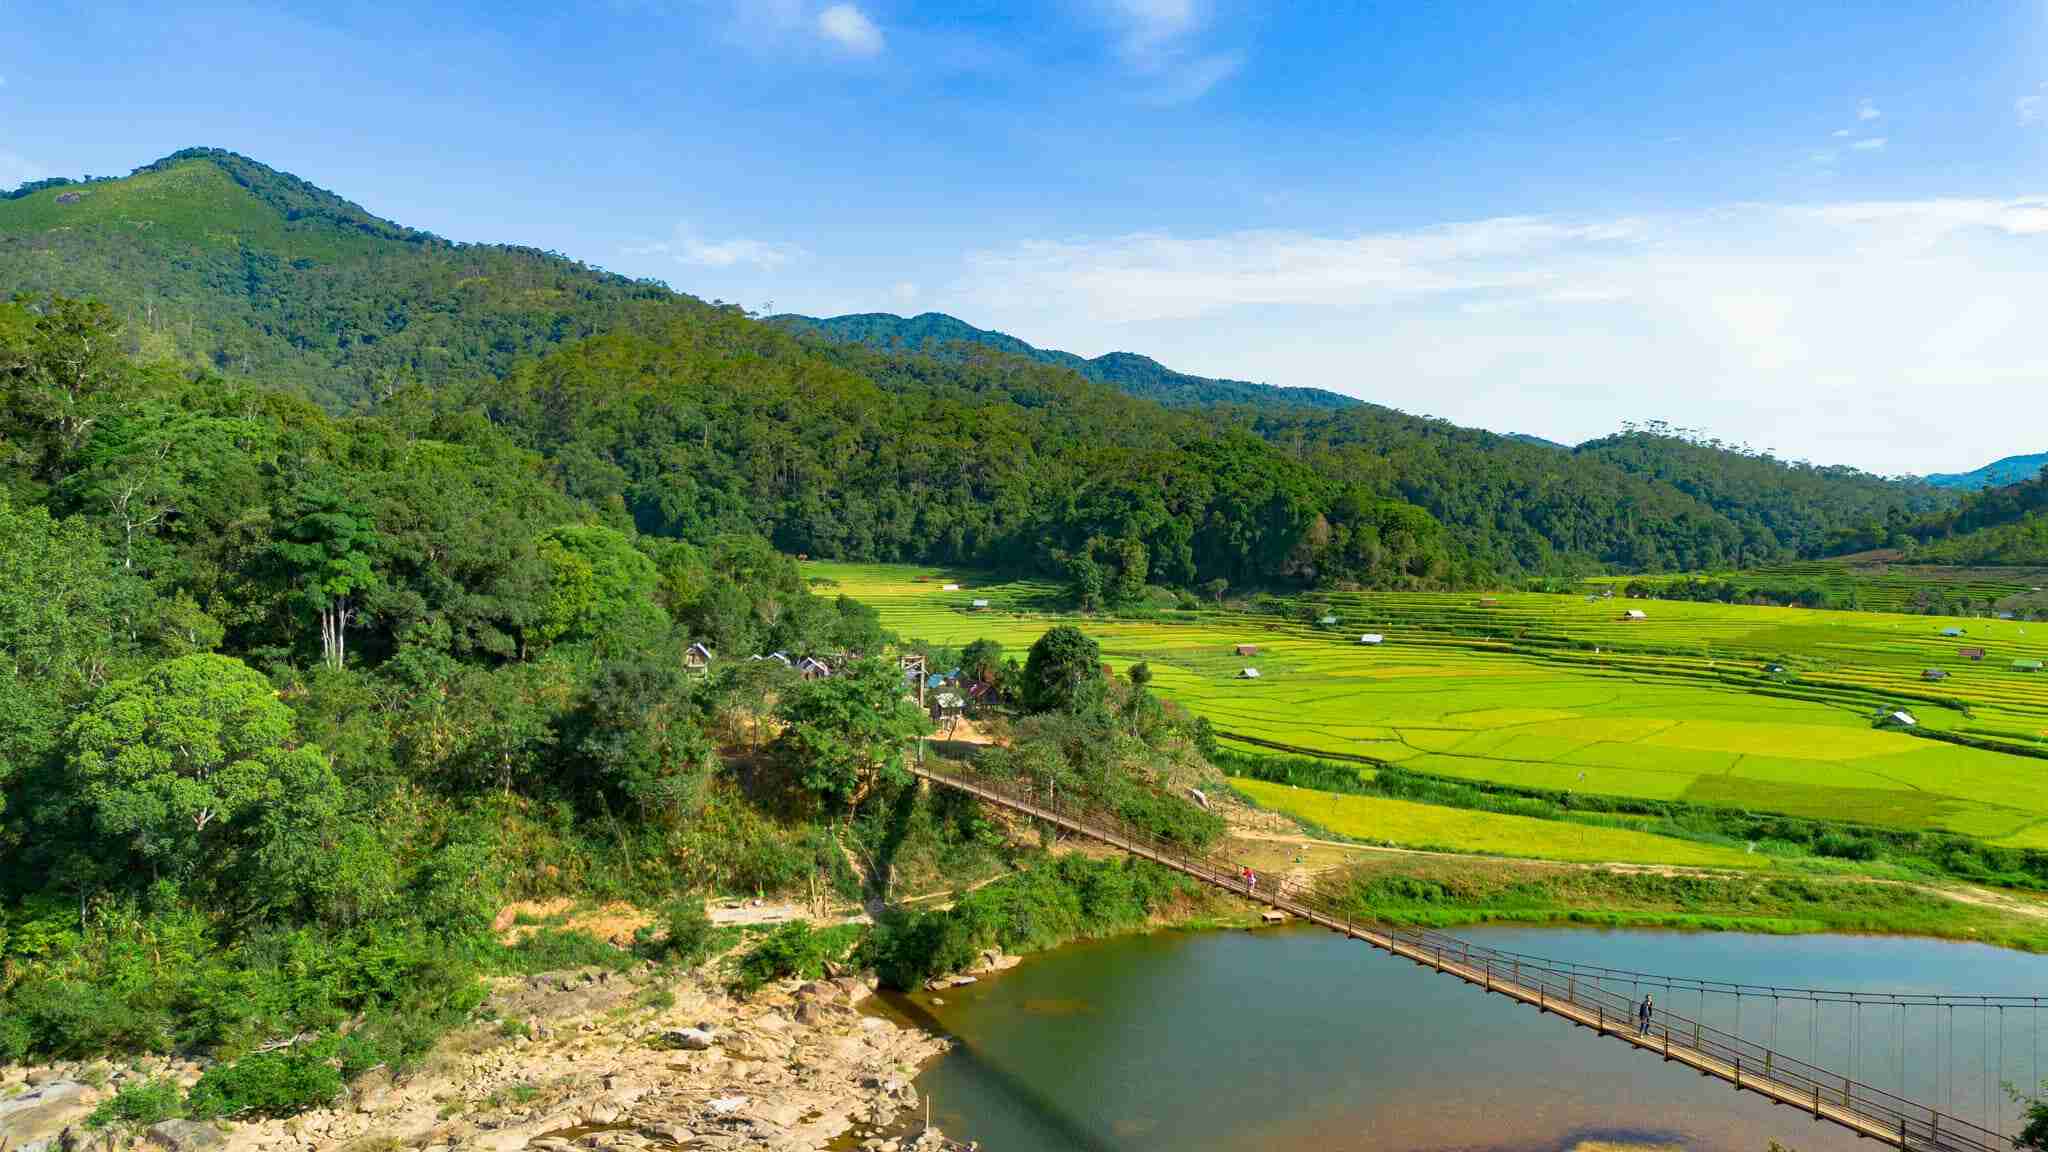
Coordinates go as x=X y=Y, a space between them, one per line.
x=1063 y=670
x=982 y=660
x=58 y=382
x=845 y=733
x=327 y=545
x=194 y=763
x=601 y=590
x=58 y=617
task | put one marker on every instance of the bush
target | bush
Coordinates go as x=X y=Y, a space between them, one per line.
x=689 y=937
x=791 y=950
x=268 y=1084
x=138 y=1105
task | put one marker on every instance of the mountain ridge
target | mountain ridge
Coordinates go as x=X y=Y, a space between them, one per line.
x=1134 y=372
x=1997 y=474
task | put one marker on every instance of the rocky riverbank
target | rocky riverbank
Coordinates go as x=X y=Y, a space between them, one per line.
x=581 y=1059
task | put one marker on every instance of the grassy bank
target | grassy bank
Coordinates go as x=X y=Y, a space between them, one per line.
x=1053 y=902
x=1444 y=893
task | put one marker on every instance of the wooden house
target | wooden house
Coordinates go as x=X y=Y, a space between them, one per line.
x=1971 y=653
x=1247 y=649
x=696 y=658
x=2026 y=665
x=813 y=668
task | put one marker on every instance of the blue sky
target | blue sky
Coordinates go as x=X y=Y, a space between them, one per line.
x=1814 y=228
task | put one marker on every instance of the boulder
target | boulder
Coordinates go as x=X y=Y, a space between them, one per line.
x=690 y=1039
x=44 y=1111
x=184 y=1135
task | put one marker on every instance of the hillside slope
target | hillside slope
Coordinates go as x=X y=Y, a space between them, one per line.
x=2011 y=470
x=216 y=260
x=935 y=332
x=2003 y=525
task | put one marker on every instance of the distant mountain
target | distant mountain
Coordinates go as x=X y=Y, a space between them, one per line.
x=1539 y=441
x=935 y=332
x=2011 y=470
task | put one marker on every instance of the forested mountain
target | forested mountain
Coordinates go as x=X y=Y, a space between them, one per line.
x=935 y=333
x=2011 y=470
x=212 y=259
x=2004 y=525
x=684 y=419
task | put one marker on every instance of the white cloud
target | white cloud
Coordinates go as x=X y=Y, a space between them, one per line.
x=1160 y=41
x=1870 y=144
x=1834 y=332
x=850 y=29
x=1842 y=133
x=2033 y=107
x=1148 y=24
x=1865 y=110
x=738 y=252
x=778 y=25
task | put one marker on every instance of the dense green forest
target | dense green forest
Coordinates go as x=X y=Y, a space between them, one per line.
x=292 y=704
x=2006 y=525
x=682 y=418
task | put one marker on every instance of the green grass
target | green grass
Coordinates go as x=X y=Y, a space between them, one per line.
x=1409 y=824
x=1558 y=692
x=1446 y=892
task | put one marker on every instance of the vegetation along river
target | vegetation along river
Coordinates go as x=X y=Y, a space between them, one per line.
x=1298 y=1039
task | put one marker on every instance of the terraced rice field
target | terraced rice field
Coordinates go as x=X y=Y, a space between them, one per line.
x=1377 y=818
x=1559 y=692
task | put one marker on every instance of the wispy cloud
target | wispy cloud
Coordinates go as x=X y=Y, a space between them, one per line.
x=1870 y=144
x=1866 y=110
x=1161 y=42
x=1833 y=323
x=687 y=247
x=840 y=27
x=850 y=29
x=2032 y=108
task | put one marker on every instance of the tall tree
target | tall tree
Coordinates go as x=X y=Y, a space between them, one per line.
x=847 y=732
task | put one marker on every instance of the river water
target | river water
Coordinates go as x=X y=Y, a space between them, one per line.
x=1294 y=1038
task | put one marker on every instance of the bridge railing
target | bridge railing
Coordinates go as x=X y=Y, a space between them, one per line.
x=1904 y=1122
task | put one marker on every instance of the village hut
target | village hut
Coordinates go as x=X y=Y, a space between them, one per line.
x=1248 y=674
x=2026 y=665
x=813 y=668
x=1372 y=638
x=1935 y=674
x=696 y=658
x=1247 y=649
x=1635 y=614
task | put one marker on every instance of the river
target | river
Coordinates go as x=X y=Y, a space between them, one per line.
x=1293 y=1038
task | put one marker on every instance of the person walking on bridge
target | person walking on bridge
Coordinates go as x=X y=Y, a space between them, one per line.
x=1643 y=1012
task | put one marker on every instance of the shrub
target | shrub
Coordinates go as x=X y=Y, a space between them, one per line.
x=791 y=950
x=268 y=1084
x=138 y=1105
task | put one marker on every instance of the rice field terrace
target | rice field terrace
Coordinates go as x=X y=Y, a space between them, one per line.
x=1766 y=709
x=1880 y=582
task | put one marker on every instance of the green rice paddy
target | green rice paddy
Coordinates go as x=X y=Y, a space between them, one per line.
x=1559 y=691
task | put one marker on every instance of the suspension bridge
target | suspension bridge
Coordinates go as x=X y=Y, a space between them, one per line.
x=1897 y=1070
